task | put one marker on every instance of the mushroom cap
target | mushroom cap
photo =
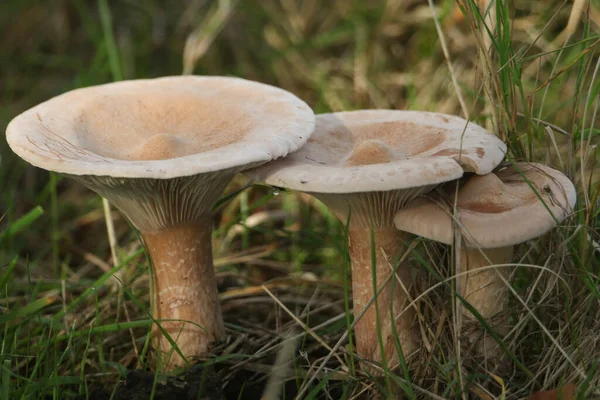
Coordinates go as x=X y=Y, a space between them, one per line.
x=495 y=210
x=382 y=150
x=161 y=128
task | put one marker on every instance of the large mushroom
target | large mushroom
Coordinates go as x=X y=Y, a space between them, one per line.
x=494 y=212
x=163 y=151
x=365 y=165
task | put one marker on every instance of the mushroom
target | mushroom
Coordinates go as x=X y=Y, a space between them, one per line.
x=365 y=165
x=163 y=151
x=494 y=212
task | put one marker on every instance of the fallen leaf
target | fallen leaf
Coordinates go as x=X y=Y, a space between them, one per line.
x=566 y=392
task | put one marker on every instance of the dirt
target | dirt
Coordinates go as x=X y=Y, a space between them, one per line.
x=198 y=383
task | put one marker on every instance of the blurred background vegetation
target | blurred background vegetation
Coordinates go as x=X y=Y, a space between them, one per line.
x=526 y=70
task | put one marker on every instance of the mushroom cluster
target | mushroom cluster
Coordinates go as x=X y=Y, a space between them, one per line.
x=164 y=150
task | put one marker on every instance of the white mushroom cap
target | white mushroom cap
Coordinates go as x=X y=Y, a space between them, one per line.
x=380 y=150
x=495 y=210
x=161 y=128
x=374 y=161
x=162 y=150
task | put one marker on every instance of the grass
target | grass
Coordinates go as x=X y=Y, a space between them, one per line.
x=72 y=319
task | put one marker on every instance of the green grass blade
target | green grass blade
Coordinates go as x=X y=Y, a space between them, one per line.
x=28 y=309
x=9 y=270
x=22 y=223
x=5 y=380
x=109 y=41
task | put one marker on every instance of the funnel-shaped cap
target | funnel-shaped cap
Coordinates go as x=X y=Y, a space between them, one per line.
x=500 y=209
x=162 y=150
x=379 y=150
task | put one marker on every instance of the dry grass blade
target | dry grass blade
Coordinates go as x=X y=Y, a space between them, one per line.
x=253 y=221
x=305 y=327
x=246 y=256
x=200 y=40
x=112 y=236
x=577 y=9
x=281 y=368
x=446 y=52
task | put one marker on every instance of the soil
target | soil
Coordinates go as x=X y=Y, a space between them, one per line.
x=198 y=383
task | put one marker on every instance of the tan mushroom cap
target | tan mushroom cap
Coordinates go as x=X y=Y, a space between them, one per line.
x=382 y=150
x=495 y=210
x=161 y=128
x=162 y=150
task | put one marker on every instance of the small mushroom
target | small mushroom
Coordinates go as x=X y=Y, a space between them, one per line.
x=494 y=212
x=163 y=152
x=365 y=165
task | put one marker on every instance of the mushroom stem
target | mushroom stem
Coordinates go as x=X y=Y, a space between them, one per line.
x=484 y=290
x=488 y=294
x=388 y=247
x=185 y=289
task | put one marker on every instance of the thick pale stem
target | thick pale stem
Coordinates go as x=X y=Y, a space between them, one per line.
x=485 y=290
x=388 y=247
x=184 y=289
x=488 y=294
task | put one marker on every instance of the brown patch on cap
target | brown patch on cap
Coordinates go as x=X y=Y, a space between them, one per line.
x=488 y=207
x=371 y=142
x=370 y=152
x=491 y=194
x=169 y=119
x=160 y=147
x=480 y=151
x=448 y=152
x=409 y=137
